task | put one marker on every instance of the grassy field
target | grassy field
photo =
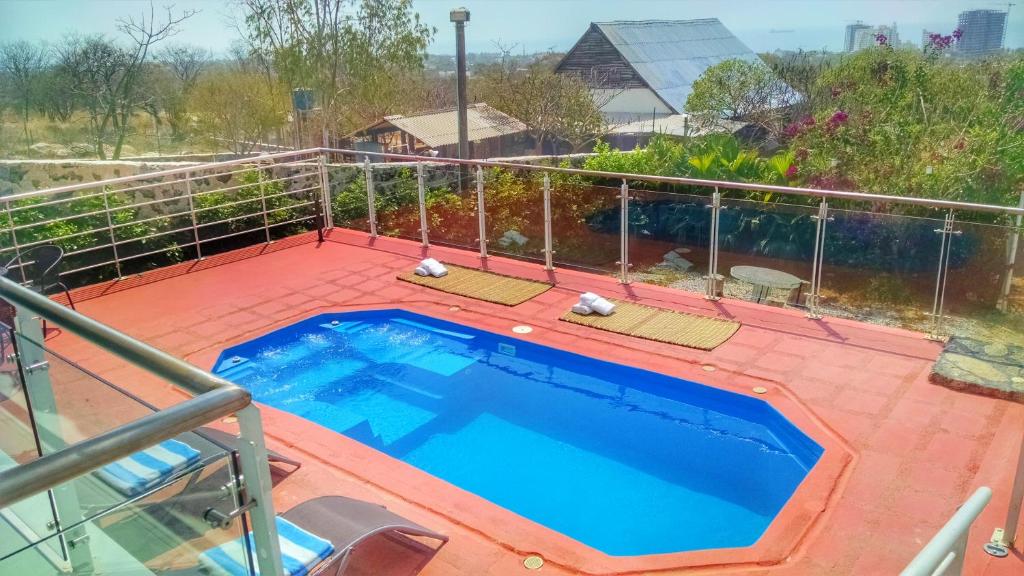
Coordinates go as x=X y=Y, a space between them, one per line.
x=56 y=140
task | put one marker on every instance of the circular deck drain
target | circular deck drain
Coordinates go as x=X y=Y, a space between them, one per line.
x=455 y=308
x=760 y=389
x=533 y=562
x=709 y=368
x=521 y=329
x=229 y=419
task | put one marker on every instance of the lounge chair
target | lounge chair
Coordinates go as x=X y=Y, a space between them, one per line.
x=342 y=522
x=230 y=441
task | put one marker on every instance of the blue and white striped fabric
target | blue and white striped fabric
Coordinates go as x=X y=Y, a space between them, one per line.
x=143 y=470
x=301 y=551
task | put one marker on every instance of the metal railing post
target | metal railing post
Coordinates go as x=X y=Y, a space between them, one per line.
x=371 y=197
x=263 y=202
x=711 y=293
x=548 y=252
x=1011 y=260
x=14 y=240
x=325 y=192
x=252 y=454
x=192 y=213
x=110 y=229
x=944 y=553
x=624 y=234
x=938 y=303
x=1004 y=538
x=821 y=221
x=481 y=211
x=422 y=192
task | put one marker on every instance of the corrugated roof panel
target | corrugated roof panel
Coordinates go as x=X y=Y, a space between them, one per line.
x=442 y=128
x=671 y=54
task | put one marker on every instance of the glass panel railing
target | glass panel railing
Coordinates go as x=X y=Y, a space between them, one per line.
x=669 y=238
x=979 y=294
x=515 y=213
x=880 y=268
x=766 y=250
x=349 y=207
x=33 y=516
x=170 y=529
x=585 y=223
x=66 y=404
x=449 y=192
x=397 y=201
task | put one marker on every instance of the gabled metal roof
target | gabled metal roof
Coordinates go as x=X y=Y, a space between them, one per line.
x=442 y=127
x=671 y=54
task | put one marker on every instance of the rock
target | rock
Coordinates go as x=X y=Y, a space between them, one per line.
x=47 y=150
x=673 y=260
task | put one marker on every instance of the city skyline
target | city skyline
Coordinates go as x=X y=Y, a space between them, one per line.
x=534 y=26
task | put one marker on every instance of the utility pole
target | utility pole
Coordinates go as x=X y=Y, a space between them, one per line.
x=460 y=16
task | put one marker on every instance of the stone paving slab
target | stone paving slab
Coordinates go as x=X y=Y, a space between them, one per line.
x=986 y=368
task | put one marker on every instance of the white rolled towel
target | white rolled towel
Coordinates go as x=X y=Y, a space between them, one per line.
x=421 y=271
x=434 y=268
x=602 y=306
x=581 y=309
x=587 y=298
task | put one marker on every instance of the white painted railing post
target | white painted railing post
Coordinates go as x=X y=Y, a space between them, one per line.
x=192 y=215
x=548 y=252
x=110 y=228
x=421 y=190
x=325 y=192
x=481 y=211
x=371 y=197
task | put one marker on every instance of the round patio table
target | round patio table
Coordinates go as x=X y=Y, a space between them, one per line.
x=764 y=279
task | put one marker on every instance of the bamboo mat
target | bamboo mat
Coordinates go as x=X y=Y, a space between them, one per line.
x=659 y=325
x=481 y=285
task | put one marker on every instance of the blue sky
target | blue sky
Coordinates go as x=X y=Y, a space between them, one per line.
x=535 y=25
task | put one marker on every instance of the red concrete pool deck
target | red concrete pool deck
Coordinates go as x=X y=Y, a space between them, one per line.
x=914 y=450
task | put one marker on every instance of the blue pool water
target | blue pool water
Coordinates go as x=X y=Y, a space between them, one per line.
x=625 y=460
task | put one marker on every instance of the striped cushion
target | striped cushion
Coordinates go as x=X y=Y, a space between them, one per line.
x=149 y=468
x=301 y=551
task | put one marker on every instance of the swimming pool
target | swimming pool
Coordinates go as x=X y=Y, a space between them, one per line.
x=627 y=461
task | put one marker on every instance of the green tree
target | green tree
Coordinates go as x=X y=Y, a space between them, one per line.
x=557 y=108
x=351 y=53
x=741 y=90
x=237 y=109
x=21 y=65
x=908 y=123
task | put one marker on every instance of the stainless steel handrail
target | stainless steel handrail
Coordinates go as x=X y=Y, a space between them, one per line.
x=69 y=463
x=746 y=186
x=944 y=553
x=215 y=398
x=160 y=363
x=677 y=180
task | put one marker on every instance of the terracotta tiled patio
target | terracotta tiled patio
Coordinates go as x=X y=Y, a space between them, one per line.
x=916 y=450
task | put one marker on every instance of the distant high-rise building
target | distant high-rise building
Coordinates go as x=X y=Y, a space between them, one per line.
x=926 y=37
x=851 y=34
x=869 y=36
x=983 y=32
